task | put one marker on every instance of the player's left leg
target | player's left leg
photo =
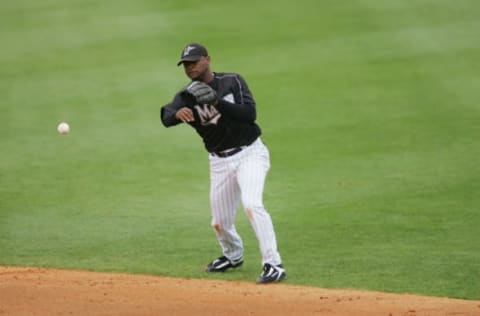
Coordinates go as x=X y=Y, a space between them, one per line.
x=251 y=176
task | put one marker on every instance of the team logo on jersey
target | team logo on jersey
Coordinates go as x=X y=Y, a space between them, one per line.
x=187 y=50
x=208 y=114
x=229 y=98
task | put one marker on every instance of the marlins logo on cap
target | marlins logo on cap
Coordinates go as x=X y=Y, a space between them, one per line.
x=192 y=52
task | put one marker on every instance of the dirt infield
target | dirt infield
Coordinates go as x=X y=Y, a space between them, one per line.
x=36 y=291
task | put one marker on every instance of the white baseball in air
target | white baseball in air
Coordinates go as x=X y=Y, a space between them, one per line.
x=63 y=128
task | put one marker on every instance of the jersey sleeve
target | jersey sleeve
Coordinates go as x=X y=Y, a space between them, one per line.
x=243 y=110
x=168 y=111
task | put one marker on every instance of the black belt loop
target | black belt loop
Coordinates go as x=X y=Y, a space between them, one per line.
x=225 y=154
x=228 y=153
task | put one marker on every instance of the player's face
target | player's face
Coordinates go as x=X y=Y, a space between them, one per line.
x=197 y=70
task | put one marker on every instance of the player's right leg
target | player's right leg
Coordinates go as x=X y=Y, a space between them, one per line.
x=224 y=200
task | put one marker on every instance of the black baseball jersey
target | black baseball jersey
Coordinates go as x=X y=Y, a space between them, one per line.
x=228 y=125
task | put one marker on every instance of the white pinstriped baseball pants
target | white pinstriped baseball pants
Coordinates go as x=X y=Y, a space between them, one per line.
x=241 y=177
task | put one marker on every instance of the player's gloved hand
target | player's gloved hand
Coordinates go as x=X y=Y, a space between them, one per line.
x=202 y=92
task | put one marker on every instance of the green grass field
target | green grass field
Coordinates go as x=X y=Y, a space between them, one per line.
x=370 y=110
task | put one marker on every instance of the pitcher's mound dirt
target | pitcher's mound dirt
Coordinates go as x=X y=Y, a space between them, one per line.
x=36 y=291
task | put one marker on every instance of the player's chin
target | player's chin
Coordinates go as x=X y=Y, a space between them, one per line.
x=193 y=75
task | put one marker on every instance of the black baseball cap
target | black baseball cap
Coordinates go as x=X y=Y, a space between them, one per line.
x=192 y=52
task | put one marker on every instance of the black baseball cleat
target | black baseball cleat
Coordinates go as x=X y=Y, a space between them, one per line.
x=223 y=263
x=271 y=274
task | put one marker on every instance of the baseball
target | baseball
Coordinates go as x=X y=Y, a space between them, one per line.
x=63 y=128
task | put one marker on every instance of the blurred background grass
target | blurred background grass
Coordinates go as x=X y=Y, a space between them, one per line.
x=370 y=110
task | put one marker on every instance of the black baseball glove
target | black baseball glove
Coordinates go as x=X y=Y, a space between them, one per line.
x=201 y=92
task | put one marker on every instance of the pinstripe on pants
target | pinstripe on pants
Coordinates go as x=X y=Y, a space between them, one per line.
x=241 y=177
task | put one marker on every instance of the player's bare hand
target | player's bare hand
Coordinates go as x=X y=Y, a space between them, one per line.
x=185 y=115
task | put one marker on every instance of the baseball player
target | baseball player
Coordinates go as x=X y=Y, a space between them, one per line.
x=221 y=108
